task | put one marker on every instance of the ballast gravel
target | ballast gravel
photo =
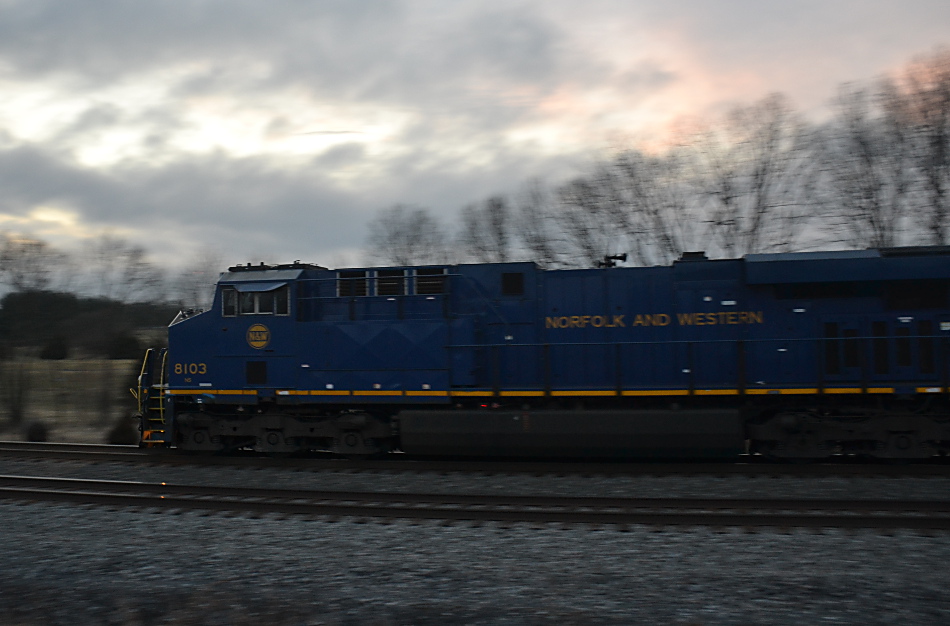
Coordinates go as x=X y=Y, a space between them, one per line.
x=68 y=564
x=75 y=565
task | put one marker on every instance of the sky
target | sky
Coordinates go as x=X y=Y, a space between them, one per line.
x=276 y=130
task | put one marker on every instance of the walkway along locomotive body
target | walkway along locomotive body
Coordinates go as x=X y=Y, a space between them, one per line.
x=792 y=355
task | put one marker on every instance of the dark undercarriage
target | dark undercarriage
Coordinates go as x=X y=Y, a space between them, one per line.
x=812 y=427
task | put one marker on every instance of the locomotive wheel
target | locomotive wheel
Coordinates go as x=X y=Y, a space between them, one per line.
x=906 y=446
x=352 y=444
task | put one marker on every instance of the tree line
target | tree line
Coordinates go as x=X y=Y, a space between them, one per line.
x=759 y=179
x=108 y=267
x=95 y=301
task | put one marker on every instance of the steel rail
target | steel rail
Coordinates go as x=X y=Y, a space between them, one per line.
x=749 y=466
x=65 y=446
x=873 y=514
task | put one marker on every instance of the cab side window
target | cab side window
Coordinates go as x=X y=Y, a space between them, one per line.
x=246 y=302
x=282 y=301
x=273 y=302
x=229 y=302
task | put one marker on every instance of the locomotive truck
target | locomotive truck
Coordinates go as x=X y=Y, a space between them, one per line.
x=797 y=355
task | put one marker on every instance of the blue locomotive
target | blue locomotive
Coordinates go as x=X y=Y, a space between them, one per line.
x=799 y=355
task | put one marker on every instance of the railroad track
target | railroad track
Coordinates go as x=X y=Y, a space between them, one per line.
x=750 y=466
x=65 y=450
x=716 y=512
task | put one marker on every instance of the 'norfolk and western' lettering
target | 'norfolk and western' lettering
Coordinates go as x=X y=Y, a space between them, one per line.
x=583 y=321
x=719 y=317
x=655 y=319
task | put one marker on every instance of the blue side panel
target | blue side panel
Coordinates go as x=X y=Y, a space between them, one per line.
x=579 y=326
x=462 y=352
x=393 y=355
x=211 y=352
x=706 y=350
x=191 y=342
x=424 y=307
x=645 y=297
x=515 y=365
x=843 y=266
x=502 y=324
x=708 y=315
x=809 y=267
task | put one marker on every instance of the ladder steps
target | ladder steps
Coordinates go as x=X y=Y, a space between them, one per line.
x=151 y=396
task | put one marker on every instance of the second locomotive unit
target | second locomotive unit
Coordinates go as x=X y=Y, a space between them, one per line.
x=799 y=355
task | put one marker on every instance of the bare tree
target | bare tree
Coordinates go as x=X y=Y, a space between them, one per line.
x=535 y=226
x=403 y=235
x=486 y=231
x=588 y=217
x=866 y=158
x=27 y=264
x=760 y=179
x=656 y=205
x=744 y=185
x=923 y=93
x=194 y=286
x=119 y=270
x=645 y=206
x=757 y=177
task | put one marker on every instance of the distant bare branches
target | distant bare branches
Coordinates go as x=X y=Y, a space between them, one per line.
x=487 y=231
x=27 y=264
x=403 y=235
x=755 y=172
x=866 y=159
x=588 y=217
x=658 y=208
x=760 y=179
x=743 y=185
x=119 y=270
x=194 y=286
x=924 y=89
x=887 y=158
x=535 y=226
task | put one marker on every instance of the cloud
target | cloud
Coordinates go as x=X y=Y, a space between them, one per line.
x=234 y=205
x=106 y=40
x=804 y=48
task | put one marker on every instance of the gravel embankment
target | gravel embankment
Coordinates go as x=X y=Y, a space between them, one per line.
x=64 y=564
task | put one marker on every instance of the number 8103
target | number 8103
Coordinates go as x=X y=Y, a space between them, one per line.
x=191 y=368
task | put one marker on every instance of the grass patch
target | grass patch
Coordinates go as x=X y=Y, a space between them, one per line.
x=77 y=400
